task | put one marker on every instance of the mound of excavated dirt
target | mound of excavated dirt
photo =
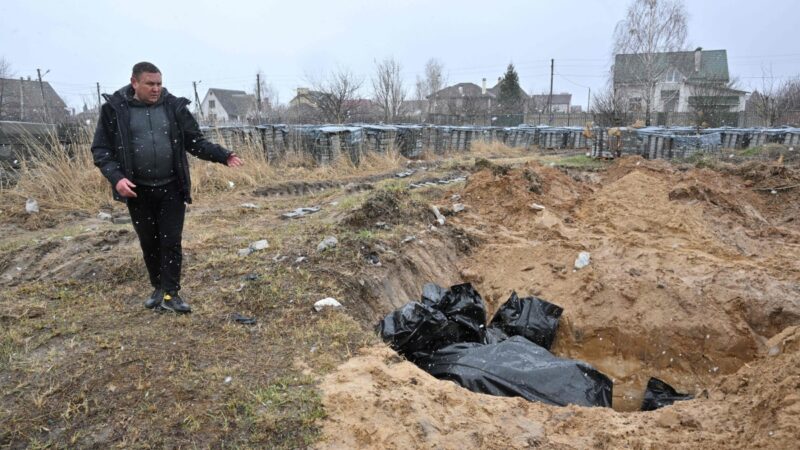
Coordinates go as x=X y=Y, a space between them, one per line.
x=390 y=207
x=691 y=273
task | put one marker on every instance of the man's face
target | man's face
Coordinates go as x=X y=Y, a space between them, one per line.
x=148 y=87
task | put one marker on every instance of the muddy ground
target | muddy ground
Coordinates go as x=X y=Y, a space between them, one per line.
x=693 y=279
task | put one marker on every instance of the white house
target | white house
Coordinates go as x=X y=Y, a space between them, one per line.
x=225 y=106
x=686 y=81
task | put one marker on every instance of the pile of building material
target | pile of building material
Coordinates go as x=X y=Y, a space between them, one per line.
x=325 y=143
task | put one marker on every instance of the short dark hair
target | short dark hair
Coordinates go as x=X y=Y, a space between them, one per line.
x=144 y=66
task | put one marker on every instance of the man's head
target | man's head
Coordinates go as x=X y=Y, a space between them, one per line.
x=146 y=82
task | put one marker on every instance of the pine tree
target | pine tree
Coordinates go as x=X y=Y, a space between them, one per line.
x=510 y=98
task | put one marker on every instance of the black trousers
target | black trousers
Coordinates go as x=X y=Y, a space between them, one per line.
x=157 y=214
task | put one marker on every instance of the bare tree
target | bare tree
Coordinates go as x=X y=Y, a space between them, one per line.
x=611 y=108
x=434 y=82
x=420 y=89
x=388 y=90
x=651 y=28
x=336 y=94
x=711 y=102
x=775 y=100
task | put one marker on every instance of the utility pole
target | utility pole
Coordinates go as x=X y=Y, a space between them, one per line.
x=21 y=99
x=197 y=99
x=589 y=101
x=99 y=102
x=550 y=98
x=41 y=87
x=258 y=97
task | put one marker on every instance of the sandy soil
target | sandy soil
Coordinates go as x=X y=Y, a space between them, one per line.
x=692 y=272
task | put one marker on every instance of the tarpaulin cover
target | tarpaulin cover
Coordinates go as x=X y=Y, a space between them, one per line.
x=517 y=367
x=659 y=394
x=532 y=317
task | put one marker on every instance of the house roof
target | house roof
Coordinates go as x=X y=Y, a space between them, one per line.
x=235 y=103
x=32 y=102
x=312 y=96
x=463 y=90
x=713 y=65
x=558 y=99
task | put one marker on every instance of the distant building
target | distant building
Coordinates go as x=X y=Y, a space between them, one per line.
x=463 y=99
x=688 y=81
x=21 y=100
x=225 y=106
x=561 y=103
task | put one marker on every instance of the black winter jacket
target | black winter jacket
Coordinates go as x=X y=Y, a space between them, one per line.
x=111 y=147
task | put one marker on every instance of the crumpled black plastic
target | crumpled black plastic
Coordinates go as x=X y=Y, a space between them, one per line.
x=416 y=330
x=659 y=394
x=461 y=304
x=517 y=367
x=532 y=317
x=445 y=335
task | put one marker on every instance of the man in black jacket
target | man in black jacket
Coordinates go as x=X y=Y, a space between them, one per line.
x=140 y=146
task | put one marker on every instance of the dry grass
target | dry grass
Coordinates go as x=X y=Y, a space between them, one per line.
x=65 y=179
x=58 y=179
x=495 y=149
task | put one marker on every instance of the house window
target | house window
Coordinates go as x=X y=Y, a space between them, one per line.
x=211 y=104
x=673 y=76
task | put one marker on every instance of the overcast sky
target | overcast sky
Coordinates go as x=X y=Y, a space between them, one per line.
x=224 y=43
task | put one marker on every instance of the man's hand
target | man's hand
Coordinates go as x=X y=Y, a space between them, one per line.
x=234 y=161
x=125 y=188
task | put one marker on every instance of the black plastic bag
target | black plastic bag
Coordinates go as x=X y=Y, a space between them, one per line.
x=494 y=335
x=461 y=304
x=517 y=367
x=659 y=394
x=445 y=316
x=532 y=317
x=416 y=330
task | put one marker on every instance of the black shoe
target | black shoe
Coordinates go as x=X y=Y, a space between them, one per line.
x=176 y=304
x=155 y=299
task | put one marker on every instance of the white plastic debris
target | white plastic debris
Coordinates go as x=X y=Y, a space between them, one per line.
x=537 y=207
x=231 y=184
x=773 y=192
x=249 y=206
x=328 y=242
x=300 y=212
x=259 y=245
x=408 y=239
x=439 y=216
x=583 y=260
x=228 y=379
x=245 y=251
x=31 y=206
x=328 y=302
x=104 y=216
